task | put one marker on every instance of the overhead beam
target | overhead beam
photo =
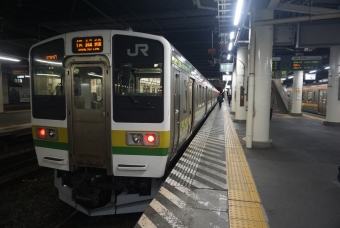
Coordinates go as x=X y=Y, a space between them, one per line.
x=298 y=19
x=103 y=14
x=272 y=4
x=304 y=9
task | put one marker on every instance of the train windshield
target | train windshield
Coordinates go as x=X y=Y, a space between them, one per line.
x=137 y=80
x=47 y=81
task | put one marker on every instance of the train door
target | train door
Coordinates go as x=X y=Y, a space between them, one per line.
x=322 y=101
x=177 y=98
x=88 y=126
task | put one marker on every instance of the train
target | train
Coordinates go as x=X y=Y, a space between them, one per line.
x=314 y=97
x=110 y=111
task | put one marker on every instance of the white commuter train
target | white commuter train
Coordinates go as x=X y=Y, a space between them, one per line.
x=110 y=110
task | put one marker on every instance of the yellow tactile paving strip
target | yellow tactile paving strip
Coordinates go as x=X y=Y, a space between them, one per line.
x=244 y=201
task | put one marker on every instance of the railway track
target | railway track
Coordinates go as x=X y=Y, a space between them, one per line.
x=78 y=219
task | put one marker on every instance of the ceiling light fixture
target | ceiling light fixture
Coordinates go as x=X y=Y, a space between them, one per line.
x=232 y=35
x=230 y=46
x=50 y=62
x=238 y=12
x=9 y=59
x=312 y=71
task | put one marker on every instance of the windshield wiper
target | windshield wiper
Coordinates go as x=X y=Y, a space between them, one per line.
x=132 y=97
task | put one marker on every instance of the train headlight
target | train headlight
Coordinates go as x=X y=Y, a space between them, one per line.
x=51 y=133
x=136 y=138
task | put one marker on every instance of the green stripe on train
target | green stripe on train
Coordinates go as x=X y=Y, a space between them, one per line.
x=140 y=151
x=51 y=144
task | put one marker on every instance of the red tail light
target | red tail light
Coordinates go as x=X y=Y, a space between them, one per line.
x=150 y=138
x=42 y=132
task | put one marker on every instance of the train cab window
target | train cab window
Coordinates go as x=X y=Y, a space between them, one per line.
x=138 y=79
x=88 y=87
x=48 y=80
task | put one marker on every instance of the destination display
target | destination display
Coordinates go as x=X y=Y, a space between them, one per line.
x=87 y=44
x=304 y=63
x=281 y=63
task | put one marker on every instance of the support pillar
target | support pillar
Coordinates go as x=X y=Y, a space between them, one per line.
x=333 y=93
x=1 y=92
x=241 y=65
x=233 y=93
x=297 y=93
x=263 y=68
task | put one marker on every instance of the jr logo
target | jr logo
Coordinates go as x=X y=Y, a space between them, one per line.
x=143 y=48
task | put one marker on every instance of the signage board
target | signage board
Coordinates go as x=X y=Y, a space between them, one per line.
x=281 y=63
x=226 y=77
x=87 y=44
x=279 y=74
x=310 y=76
x=306 y=62
x=226 y=67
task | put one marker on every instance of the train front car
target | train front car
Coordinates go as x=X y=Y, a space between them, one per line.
x=100 y=117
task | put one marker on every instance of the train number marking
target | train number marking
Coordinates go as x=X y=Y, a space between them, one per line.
x=142 y=47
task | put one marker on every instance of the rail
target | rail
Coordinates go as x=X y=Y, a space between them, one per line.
x=282 y=93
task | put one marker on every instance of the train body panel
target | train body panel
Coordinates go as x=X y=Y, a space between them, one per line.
x=110 y=110
x=314 y=98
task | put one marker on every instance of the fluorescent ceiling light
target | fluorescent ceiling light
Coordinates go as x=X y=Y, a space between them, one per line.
x=49 y=62
x=312 y=71
x=96 y=75
x=10 y=59
x=228 y=57
x=53 y=75
x=23 y=76
x=290 y=77
x=327 y=67
x=232 y=35
x=238 y=12
x=230 y=46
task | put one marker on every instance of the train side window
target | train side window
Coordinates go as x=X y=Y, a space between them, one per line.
x=309 y=96
x=185 y=105
x=200 y=95
x=197 y=97
x=314 y=97
x=303 y=96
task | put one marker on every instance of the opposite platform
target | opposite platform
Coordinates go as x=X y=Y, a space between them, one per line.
x=211 y=185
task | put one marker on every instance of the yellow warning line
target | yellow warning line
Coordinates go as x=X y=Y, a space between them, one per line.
x=313 y=117
x=245 y=208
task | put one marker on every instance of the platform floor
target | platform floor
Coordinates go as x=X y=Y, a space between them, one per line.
x=12 y=122
x=211 y=185
x=219 y=183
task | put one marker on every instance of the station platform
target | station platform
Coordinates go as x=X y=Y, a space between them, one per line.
x=15 y=121
x=220 y=183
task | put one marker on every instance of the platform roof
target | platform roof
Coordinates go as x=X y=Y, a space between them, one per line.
x=192 y=26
